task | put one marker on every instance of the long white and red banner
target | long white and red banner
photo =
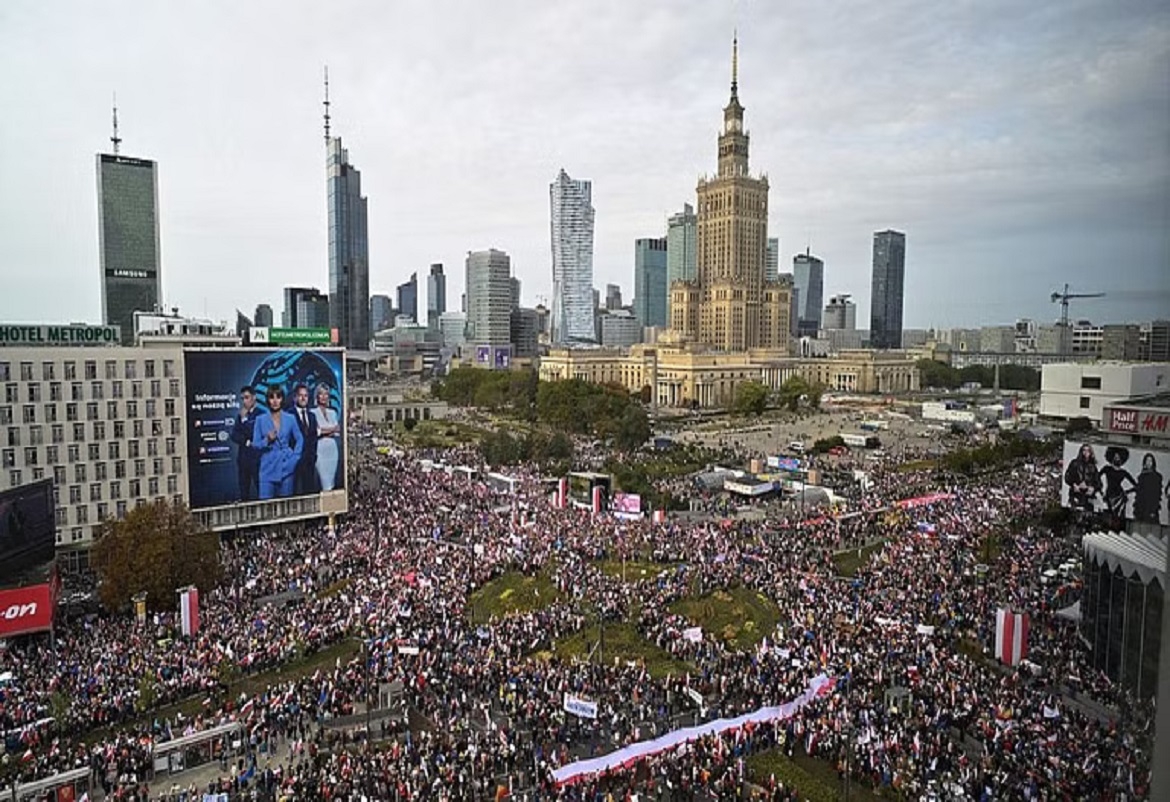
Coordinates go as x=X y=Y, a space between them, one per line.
x=627 y=756
x=1011 y=636
x=189 y=611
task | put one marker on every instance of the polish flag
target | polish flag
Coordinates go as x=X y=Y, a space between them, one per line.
x=189 y=611
x=562 y=493
x=597 y=500
x=1011 y=636
x=659 y=516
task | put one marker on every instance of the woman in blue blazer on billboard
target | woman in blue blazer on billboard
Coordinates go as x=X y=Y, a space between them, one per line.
x=279 y=441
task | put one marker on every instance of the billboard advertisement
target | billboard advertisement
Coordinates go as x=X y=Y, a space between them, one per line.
x=784 y=463
x=264 y=424
x=27 y=609
x=626 y=503
x=1124 y=483
x=28 y=527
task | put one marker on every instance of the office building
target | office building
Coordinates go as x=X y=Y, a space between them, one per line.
x=772 y=260
x=887 y=289
x=436 y=294
x=572 y=215
x=1154 y=341
x=809 y=274
x=453 y=329
x=349 y=249
x=525 y=333
x=489 y=297
x=1121 y=342
x=729 y=306
x=619 y=329
x=263 y=316
x=305 y=308
x=514 y=284
x=408 y=297
x=382 y=313
x=650 y=270
x=840 y=313
x=613 y=297
x=129 y=247
x=681 y=246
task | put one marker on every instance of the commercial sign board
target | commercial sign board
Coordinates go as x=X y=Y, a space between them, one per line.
x=269 y=335
x=626 y=502
x=1125 y=482
x=1145 y=421
x=28 y=527
x=72 y=334
x=27 y=609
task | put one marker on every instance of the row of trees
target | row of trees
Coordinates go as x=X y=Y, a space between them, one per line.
x=1011 y=377
x=752 y=397
x=1006 y=449
x=553 y=451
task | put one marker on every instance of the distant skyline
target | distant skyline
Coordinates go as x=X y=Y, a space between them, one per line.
x=1018 y=146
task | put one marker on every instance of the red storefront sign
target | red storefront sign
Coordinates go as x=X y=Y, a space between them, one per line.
x=27 y=609
x=1138 y=420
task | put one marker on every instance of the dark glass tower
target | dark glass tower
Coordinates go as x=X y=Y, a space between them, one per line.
x=349 y=250
x=885 y=300
x=128 y=238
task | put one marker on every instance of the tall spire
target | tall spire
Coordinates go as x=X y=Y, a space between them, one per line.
x=326 y=104
x=735 y=64
x=117 y=140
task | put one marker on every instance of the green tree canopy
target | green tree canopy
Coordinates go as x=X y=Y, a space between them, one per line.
x=751 y=398
x=156 y=549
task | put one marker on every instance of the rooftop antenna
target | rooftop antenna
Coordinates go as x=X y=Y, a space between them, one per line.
x=326 y=105
x=117 y=140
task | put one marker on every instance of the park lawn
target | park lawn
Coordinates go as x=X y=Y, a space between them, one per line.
x=438 y=434
x=917 y=465
x=623 y=642
x=741 y=616
x=635 y=570
x=814 y=779
x=849 y=562
x=511 y=593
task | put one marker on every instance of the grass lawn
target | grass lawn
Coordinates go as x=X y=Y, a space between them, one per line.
x=848 y=562
x=622 y=641
x=635 y=570
x=917 y=465
x=741 y=616
x=437 y=434
x=509 y=593
x=814 y=779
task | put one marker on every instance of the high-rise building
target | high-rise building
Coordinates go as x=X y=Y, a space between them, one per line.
x=619 y=329
x=681 y=246
x=572 y=216
x=525 y=332
x=305 y=308
x=349 y=244
x=453 y=329
x=886 y=295
x=613 y=297
x=381 y=313
x=408 y=298
x=809 y=274
x=436 y=295
x=128 y=236
x=489 y=297
x=514 y=284
x=650 y=269
x=729 y=306
x=840 y=313
x=263 y=316
x=772 y=260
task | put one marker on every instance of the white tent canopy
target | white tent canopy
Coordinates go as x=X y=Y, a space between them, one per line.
x=1144 y=555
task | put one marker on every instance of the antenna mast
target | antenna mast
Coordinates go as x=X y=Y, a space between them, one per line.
x=326 y=104
x=117 y=140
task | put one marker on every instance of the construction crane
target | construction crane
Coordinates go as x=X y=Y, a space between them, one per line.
x=1064 y=298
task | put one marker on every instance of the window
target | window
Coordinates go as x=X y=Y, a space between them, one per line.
x=169 y=407
x=38 y=474
x=135 y=488
x=28 y=413
x=58 y=433
x=120 y=469
x=13 y=436
x=116 y=390
x=131 y=409
x=71 y=412
x=111 y=368
x=1090 y=383
x=76 y=392
x=79 y=432
x=80 y=472
x=70 y=371
x=74 y=452
x=139 y=468
x=136 y=389
x=115 y=449
x=156 y=428
x=95 y=390
x=151 y=408
x=11 y=393
x=111 y=410
x=103 y=511
x=36 y=436
x=34 y=393
x=62 y=516
x=15 y=478
x=82 y=515
x=94 y=450
x=58 y=479
x=170 y=446
x=95 y=492
x=156 y=389
x=121 y=507
x=174 y=387
x=5 y=416
x=148 y=366
x=9 y=457
x=133 y=449
x=90 y=369
x=55 y=392
x=52 y=455
x=168 y=368
x=91 y=410
x=5 y=371
x=100 y=472
x=50 y=413
x=152 y=448
x=115 y=490
x=175 y=426
x=157 y=464
x=172 y=485
x=48 y=371
x=26 y=374
x=176 y=465
x=74 y=494
x=131 y=369
x=1085 y=401
x=119 y=430
x=99 y=431
x=152 y=486
x=30 y=456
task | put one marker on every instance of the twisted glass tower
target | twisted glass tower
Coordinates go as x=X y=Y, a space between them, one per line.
x=572 y=260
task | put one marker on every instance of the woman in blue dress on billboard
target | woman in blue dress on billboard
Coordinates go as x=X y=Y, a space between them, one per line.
x=328 y=438
x=279 y=441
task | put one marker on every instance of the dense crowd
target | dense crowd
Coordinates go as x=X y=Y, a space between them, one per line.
x=485 y=700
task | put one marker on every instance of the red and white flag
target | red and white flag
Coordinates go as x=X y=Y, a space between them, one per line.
x=189 y=611
x=596 y=500
x=562 y=493
x=659 y=516
x=1011 y=636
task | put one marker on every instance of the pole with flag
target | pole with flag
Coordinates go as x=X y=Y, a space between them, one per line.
x=189 y=610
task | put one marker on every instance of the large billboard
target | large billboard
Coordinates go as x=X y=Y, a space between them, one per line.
x=264 y=424
x=27 y=609
x=1121 y=482
x=28 y=527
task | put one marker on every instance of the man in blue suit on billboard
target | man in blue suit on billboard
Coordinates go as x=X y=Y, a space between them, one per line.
x=305 y=479
x=243 y=430
x=279 y=442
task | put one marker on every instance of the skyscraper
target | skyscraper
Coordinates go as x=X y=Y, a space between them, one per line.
x=263 y=315
x=571 y=227
x=408 y=298
x=305 y=308
x=650 y=269
x=840 y=313
x=349 y=244
x=514 y=283
x=681 y=245
x=885 y=300
x=489 y=297
x=772 y=260
x=729 y=306
x=613 y=297
x=436 y=295
x=128 y=236
x=809 y=274
x=381 y=313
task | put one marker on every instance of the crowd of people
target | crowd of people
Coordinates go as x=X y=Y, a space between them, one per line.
x=916 y=706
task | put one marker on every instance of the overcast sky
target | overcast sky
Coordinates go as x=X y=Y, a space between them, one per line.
x=1019 y=145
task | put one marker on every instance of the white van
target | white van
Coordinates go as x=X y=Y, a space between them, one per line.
x=796 y=447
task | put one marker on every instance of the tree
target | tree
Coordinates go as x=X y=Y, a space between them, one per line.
x=937 y=374
x=751 y=398
x=409 y=424
x=793 y=389
x=633 y=429
x=155 y=549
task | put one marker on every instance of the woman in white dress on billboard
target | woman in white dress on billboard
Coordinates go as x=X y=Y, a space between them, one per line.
x=328 y=439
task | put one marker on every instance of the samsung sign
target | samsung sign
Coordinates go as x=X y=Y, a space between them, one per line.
x=79 y=334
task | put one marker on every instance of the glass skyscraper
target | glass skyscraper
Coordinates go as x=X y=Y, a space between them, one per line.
x=128 y=239
x=436 y=295
x=349 y=250
x=885 y=300
x=489 y=297
x=809 y=275
x=650 y=295
x=681 y=246
x=572 y=217
x=408 y=298
x=772 y=260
